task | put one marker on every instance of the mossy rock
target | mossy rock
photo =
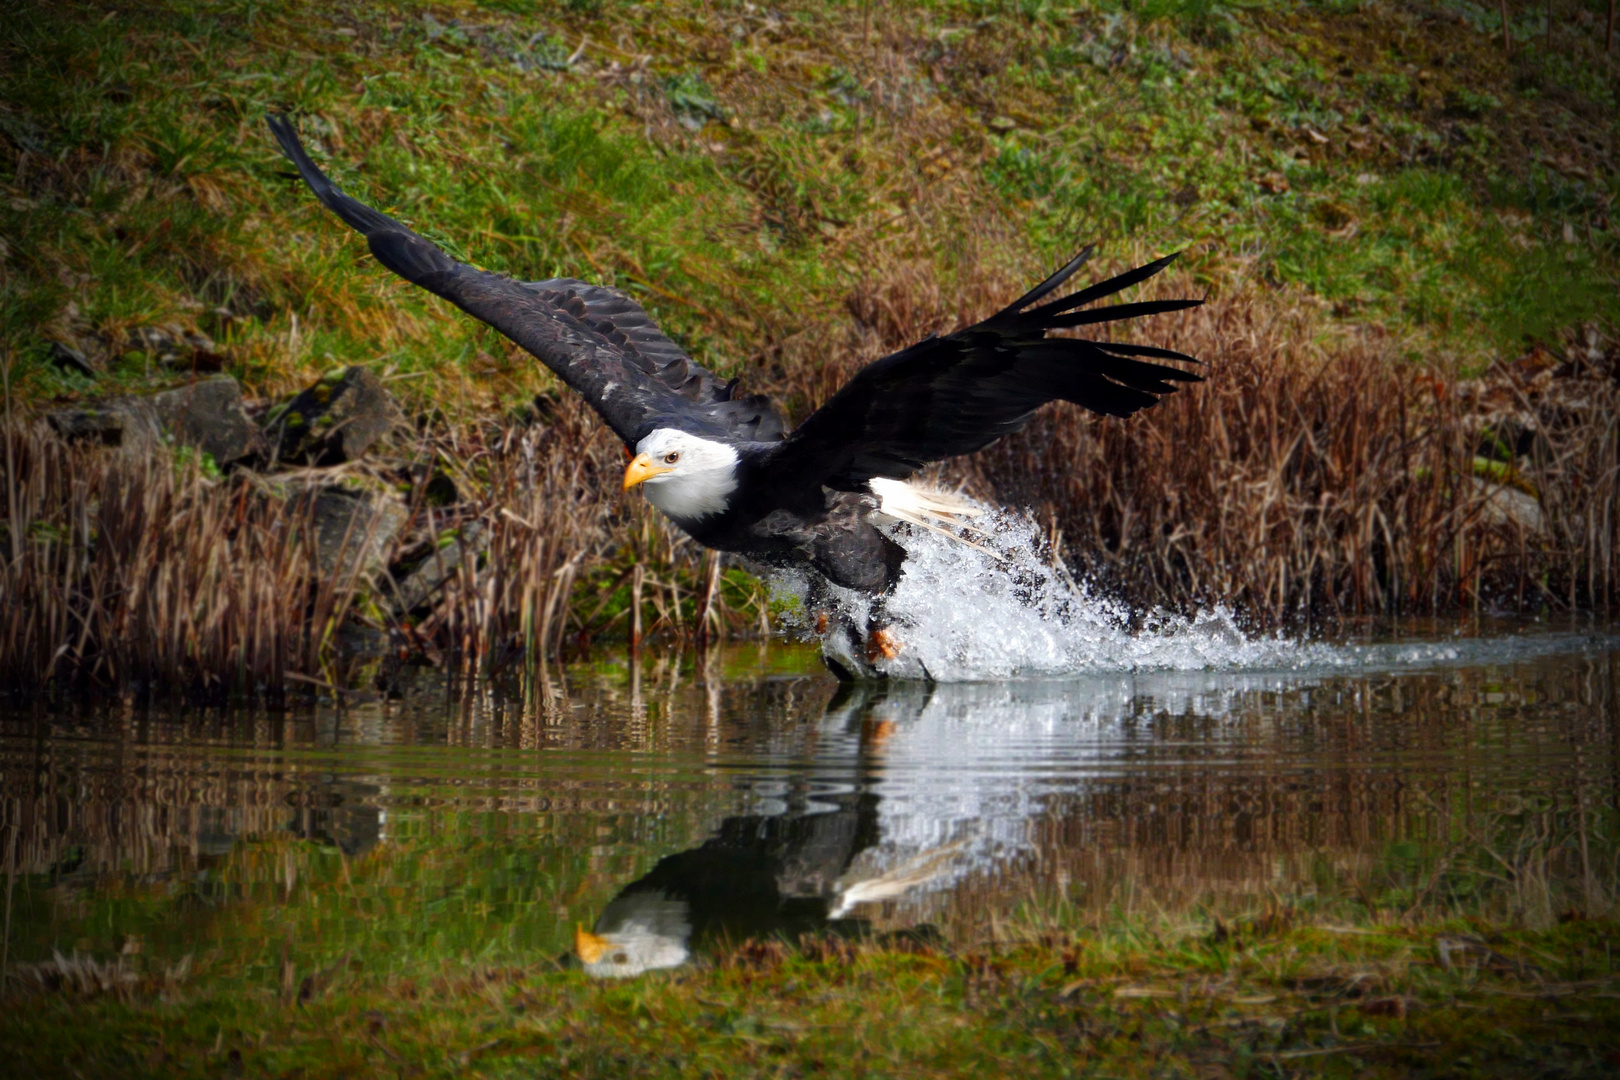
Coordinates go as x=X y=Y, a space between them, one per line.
x=353 y=528
x=207 y=414
x=338 y=419
x=418 y=581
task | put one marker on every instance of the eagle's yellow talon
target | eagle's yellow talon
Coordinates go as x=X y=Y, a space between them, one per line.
x=881 y=645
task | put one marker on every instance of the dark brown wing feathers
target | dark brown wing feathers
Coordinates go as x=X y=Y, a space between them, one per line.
x=624 y=322
x=939 y=398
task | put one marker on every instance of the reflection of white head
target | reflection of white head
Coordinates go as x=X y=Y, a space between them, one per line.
x=638 y=932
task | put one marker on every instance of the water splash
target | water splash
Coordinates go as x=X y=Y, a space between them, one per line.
x=997 y=609
x=1002 y=609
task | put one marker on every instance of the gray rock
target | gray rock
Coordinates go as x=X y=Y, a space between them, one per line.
x=207 y=414
x=416 y=587
x=352 y=529
x=1504 y=505
x=336 y=420
x=111 y=423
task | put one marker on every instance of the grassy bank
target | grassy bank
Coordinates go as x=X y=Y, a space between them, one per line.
x=743 y=171
x=1405 y=230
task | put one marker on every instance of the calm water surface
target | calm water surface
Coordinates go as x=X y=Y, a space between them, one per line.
x=679 y=802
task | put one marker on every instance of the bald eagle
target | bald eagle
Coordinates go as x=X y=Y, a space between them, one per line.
x=722 y=466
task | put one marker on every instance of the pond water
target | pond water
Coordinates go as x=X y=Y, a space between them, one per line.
x=636 y=814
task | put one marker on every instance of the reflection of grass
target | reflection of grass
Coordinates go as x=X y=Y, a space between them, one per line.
x=444 y=888
x=432 y=955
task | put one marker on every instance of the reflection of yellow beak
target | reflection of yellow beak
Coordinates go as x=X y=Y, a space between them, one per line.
x=641 y=468
x=589 y=947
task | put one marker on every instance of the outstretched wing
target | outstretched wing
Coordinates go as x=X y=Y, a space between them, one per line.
x=597 y=340
x=956 y=394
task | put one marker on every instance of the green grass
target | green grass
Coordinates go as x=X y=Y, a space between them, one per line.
x=741 y=171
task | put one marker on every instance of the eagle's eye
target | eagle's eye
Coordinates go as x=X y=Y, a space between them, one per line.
x=672 y=457
x=620 y=958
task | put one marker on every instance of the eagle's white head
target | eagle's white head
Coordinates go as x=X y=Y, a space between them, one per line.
x=686 y=476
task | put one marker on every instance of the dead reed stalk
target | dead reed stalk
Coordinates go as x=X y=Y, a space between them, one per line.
x=544 y=493
x=1309 y=482
x=140 y=573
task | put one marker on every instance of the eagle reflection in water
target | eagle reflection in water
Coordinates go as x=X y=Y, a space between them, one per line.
x=770 y=875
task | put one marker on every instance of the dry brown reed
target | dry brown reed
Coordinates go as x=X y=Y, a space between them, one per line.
x=137 y=572
x=569 y=558
x=146 y=574
x=1309 y=480
x=540 y=493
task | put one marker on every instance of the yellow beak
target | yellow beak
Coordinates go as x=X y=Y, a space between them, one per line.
x=641 y=468
x=588 y=946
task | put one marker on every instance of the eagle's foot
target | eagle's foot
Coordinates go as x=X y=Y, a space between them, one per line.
x=881 y=645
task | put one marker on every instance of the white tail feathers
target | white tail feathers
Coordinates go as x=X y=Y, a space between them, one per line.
x=932 y=510
x=899 y=500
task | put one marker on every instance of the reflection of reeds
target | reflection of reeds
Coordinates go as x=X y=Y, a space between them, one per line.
x=1392 y=848
x=1526 y=870
x=1393 y=801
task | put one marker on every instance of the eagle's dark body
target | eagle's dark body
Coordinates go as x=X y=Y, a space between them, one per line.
x=801 y=498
